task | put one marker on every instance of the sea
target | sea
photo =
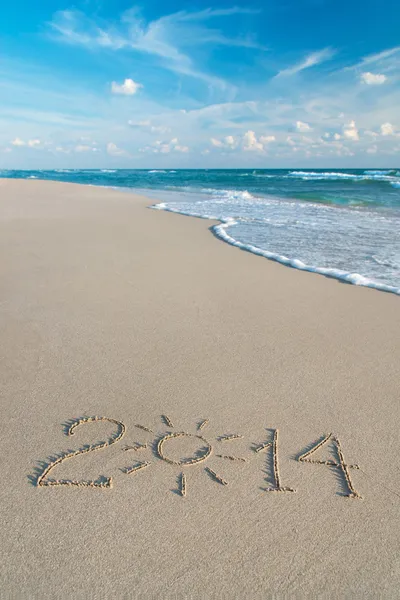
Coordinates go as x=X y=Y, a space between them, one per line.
x=341 y=223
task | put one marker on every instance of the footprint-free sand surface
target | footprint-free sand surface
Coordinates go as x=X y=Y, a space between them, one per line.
x=143 y=318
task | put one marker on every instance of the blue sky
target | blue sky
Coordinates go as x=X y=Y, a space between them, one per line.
x=277 y=83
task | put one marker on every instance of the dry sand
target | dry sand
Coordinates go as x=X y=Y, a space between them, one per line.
x=110 y=309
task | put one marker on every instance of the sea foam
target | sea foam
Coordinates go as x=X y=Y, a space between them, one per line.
x=224 y=232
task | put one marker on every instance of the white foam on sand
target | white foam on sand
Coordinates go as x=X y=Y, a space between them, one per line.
x=221 y=231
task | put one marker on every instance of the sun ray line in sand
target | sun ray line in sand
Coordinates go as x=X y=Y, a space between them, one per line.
x=167 y=421
x=137 y=467
x=230 y=437
x=136 y=448
x=277 y=480
x=203 y=424
x=143 y=428
x=262 y=447
x=182 y=485
x=330 y=463
x=227 y=457
x=214 y=475
x=71 y=482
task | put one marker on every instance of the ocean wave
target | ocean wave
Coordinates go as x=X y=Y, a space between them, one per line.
x=378 y=176
x=395 y=184
x=381 y=172
x=228 y=194
x=325 y=175
x=260 y=175
x=221 y=231
x=156 y=171
x=214 y=193
x=108 y=170
x=264 y=176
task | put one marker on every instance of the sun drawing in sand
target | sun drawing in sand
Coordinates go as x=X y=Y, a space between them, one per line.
x=161 y=447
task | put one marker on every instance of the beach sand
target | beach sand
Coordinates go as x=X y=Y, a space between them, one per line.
x=110 y=309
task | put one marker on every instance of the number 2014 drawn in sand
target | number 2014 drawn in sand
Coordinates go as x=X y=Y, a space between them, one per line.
x=160 y=447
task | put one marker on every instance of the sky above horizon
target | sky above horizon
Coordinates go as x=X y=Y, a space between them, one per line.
x=264 y=84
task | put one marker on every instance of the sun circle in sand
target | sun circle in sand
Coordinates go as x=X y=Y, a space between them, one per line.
x=202 y=454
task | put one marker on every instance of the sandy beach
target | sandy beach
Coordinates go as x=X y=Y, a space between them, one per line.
x=142 y=317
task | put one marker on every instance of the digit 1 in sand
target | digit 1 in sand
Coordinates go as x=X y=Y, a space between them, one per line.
x=277 y=480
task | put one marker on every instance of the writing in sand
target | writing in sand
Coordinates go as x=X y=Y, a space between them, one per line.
x=162 y=448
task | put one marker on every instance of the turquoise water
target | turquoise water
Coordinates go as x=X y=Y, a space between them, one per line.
x=340 y=223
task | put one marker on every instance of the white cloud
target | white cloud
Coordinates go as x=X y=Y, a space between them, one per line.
x=30 y=143
x=387 y=129
x=336 y=136
x=206 y=151
x=33 y=143
x=372 y=150
x=313 y=59
x=148 y=125
x=267 y=139
x=350 y=131
x=250 y=142
x=159 y=129
x=113 y=149
x=82 y=148
x=160 y=147
x=373 y=79
x=128 y=88
x=216 y=143
x=303 y=127
x=230 y=141
x=62 y=149
x=290 y=141
x=344 y=151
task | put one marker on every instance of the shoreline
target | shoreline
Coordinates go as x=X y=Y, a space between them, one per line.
x=220 y=231
x=112 y=311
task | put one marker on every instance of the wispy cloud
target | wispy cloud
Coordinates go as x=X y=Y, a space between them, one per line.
x=386 y=61
x=379 y=56
x=167 y=38
x=311 y=60
x=209 y=13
